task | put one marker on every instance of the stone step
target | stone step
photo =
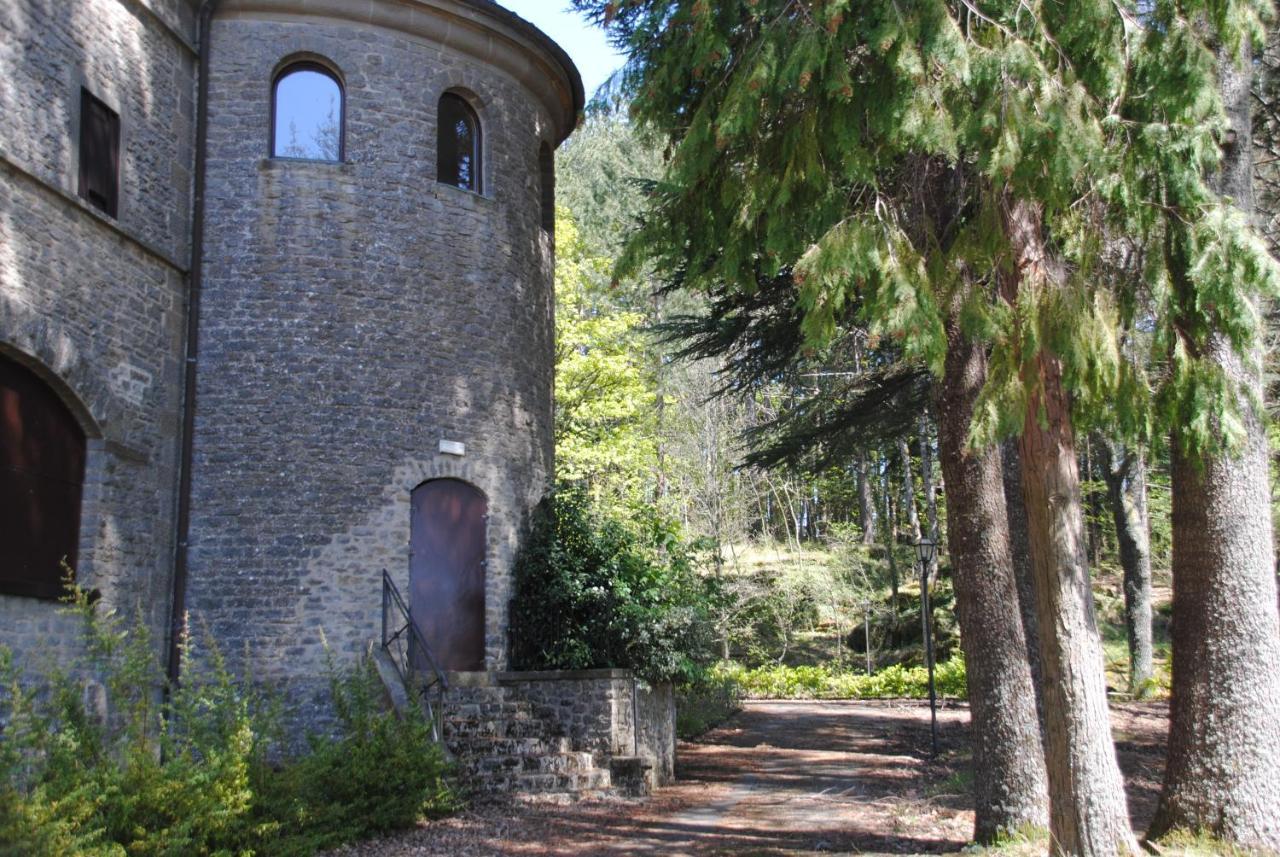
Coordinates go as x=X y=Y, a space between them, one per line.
x=594 y=781
x=479 y=746
x=631 y=775
x=550 y=763
x=457 y=729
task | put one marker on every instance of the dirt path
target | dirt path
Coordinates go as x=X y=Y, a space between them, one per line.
x=783 y=778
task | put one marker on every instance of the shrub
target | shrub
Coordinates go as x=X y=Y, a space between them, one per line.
x=705 y=702
x=190 y=774
x=593 y=592
x=379 y=774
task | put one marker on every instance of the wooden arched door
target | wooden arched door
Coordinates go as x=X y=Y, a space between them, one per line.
x=447 y=571
x=42 y=462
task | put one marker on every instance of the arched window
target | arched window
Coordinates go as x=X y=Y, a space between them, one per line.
x=547 y=170
x=307 y=114
x=459 y=150
x=42 y=454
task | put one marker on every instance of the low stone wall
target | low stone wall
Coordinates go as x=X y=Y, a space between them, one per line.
x=656 y=705
x=608 y=713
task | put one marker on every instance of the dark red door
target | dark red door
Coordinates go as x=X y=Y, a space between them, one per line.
x=446 y=571
x=42 y=458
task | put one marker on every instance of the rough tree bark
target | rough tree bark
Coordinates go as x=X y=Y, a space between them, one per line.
x=1088 y=809
x=1223 y=770
x=1125 y=470
x=1009 y=783
x=1020 y=547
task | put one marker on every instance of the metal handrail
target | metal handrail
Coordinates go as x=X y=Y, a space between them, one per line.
x=402 y=640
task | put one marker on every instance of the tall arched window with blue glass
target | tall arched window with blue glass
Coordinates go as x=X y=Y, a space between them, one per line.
x=459 y=144
x=307 y=114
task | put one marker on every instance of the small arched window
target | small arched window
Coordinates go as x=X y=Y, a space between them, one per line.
x=547 y=171
x=307 y=114
x=459 y=145
x=42 y=455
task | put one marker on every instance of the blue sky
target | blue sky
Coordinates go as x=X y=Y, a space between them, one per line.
x=586 y=44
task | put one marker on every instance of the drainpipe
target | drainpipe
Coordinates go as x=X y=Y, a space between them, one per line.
x=177 y=619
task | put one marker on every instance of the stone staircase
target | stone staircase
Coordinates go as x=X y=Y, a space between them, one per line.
x=501 y=741
x=503 y=745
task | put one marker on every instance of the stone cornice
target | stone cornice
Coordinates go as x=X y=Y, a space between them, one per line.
x=479 y=28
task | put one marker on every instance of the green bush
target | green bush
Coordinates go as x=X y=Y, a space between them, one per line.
x=593 y=592
x=190 y=772
x=379 y=774
x=705 y=702
x=820 y=682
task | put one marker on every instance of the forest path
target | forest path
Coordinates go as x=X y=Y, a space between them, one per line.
x=782 y=778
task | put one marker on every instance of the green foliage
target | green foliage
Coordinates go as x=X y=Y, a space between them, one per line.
x=100 y=763
x=876 y=153
x=593 y=591
x=605 y=417
x=822 y=682
x=379 y=774
x=601 y=173
x=705 y=702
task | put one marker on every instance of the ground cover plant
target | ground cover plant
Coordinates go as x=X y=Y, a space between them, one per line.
x=779 y=681
x=104 y=760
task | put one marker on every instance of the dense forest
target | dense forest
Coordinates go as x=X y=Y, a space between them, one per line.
x=834 y=281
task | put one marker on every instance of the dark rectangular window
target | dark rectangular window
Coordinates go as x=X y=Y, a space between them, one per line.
x=99 y=154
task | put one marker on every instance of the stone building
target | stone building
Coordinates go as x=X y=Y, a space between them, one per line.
x=370 y=309
x=276 y=316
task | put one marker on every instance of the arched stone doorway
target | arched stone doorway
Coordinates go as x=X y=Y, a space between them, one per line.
x=447 y=571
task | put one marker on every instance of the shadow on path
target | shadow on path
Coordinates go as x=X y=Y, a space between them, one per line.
x=783 y=778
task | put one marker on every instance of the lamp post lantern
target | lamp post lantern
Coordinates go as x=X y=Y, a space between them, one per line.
x=926 y=550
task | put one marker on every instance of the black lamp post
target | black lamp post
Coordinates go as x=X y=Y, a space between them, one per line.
x=926 y=550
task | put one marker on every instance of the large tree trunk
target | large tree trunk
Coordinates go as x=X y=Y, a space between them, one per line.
x=1020 y=547
x=1223 y=770
x=1088 y=810
x=1009 y=783
x=1125 y=470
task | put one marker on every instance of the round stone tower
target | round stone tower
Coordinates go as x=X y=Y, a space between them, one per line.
x=376 y=329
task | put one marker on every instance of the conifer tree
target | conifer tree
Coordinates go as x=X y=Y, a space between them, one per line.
x=1223 y=770
x=795 y=130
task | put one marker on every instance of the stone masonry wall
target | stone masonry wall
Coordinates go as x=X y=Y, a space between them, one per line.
x=355 y=315
x=93 y=304
x=656 y=715
x=606 y=713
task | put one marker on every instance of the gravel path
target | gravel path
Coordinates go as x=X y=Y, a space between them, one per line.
x=781 y=778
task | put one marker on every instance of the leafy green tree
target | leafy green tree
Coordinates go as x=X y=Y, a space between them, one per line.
x=602 y=173
x=961 y=166
x=605 y=419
